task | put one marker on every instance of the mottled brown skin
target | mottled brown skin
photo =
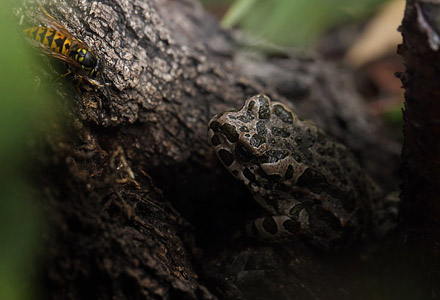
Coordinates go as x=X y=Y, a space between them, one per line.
x=311 y=185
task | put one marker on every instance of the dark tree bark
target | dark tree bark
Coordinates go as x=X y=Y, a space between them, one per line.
x=137 y=204
x=420 y=196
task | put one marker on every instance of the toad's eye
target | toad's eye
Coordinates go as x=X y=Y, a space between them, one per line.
x=243 y=153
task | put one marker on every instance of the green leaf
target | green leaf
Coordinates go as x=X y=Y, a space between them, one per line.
x=295 y=22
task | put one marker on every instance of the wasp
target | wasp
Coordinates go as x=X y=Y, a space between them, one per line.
x=55 y=40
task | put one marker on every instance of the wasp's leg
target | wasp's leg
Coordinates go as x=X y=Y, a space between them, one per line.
x=79 y=78
x=93 y=82
x=65 y=74
x=45 y=11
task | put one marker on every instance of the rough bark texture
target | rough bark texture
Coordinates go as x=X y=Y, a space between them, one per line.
x=118 y=178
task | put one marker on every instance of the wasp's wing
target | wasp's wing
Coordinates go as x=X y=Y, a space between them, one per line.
x=51 y=22
x=46 y=50
x=65 y=58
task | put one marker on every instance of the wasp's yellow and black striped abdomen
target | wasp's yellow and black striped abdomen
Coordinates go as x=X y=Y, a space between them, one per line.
x=53 y=39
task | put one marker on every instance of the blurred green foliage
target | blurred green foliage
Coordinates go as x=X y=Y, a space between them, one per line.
x=294 y=22
x=21 y=112
x=394 y=119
